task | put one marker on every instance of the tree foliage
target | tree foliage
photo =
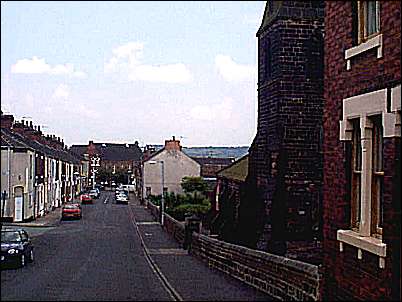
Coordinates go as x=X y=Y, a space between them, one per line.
x=193 y=201
x=192 y=184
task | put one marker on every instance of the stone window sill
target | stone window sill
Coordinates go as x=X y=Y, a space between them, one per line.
x=373 y=42
x=369 y=244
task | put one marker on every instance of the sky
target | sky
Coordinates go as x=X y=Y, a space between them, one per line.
x=133 y=71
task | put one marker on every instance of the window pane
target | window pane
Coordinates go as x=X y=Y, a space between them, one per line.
x=377 y=185
x=371 y=18
x=356 y=176
x=357 y=148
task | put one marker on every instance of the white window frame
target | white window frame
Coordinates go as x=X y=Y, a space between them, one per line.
x=363 y=106
x=365 y=42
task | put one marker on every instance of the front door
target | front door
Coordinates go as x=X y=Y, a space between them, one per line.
x=18 y=204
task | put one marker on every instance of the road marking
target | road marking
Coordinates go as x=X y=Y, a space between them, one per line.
x=106 y=200
x=147 y=222
x=167 y=252
x=165 y=283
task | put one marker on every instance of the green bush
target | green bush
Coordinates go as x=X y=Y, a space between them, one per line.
x=155 y=199
x=178 y=205
x=191 y=184
x=179 y=212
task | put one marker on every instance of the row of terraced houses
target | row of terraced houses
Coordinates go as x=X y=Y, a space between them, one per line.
x=38 y=173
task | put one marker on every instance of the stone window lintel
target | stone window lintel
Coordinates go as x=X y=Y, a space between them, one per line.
x=368 y=104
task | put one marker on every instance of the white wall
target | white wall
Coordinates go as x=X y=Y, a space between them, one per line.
x=176 y=165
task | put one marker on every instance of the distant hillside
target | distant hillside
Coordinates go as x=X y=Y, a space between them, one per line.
x=235 y=152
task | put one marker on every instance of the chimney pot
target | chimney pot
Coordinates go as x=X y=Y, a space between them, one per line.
x=31 y=124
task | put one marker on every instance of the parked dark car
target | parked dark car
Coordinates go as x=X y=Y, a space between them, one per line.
x=16 y=247
x=71 y=210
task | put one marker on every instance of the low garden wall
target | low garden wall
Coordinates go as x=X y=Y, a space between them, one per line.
x=280 y=277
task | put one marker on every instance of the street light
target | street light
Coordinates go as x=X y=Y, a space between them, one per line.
x=94 y=163
x=128 y=176
x=77 y=180
x=152 y=162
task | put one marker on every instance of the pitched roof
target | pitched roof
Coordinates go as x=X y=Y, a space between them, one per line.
x=237 y=170
x=17 y=140
x=163 y=149
x=7 y=140
x=112 y=151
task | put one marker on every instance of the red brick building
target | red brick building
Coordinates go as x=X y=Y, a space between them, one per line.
x=117 y=162
x=362 y=150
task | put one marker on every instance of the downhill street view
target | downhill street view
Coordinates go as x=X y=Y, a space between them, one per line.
x=200 y=151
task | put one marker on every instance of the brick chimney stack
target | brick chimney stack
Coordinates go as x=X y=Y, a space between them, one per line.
x=7 y=121
x=33 y=132
x=19 y=126
x=172 y=144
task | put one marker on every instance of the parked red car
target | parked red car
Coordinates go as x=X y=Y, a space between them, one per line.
x=72 y=210
x=85 y=198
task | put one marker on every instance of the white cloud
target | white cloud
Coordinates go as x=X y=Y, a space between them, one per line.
x=61 y=92
x=127 y=60
x=232 y=71
x=219 y=111
x=39 y=66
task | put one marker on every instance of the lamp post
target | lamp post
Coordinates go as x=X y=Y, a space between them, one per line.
x=163 y=185
x=128 y=176
x=77 y=181
x=94 y=163
x=3 y=199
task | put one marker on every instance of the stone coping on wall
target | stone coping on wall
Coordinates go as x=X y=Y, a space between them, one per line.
x=291 y=263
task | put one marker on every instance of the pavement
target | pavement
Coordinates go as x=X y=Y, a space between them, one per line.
x=189 y=278
x=51 y=219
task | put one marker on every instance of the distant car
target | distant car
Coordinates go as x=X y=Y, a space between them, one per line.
x=121 y=191
x=16 y=247
x=85 y=198
x=72 y=210
x=121 y=198
x=94 y=193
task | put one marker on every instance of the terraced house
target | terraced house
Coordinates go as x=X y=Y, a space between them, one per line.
x=362 y=150
x=38 y=173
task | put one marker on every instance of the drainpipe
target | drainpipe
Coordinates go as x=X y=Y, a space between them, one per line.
x=8 y=176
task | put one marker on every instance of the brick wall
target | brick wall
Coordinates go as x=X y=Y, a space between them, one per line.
x=174 y=228
x=280 y=277
x=153 y=209
x=347 y=277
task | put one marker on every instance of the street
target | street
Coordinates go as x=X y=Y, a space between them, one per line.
x=100 y=257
